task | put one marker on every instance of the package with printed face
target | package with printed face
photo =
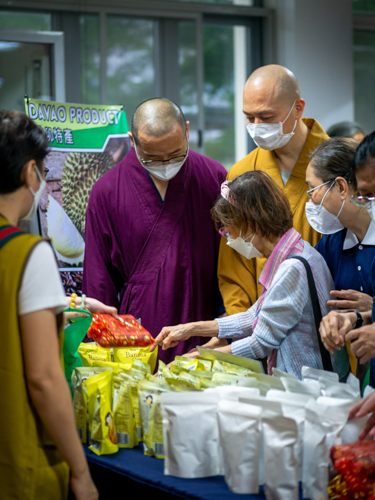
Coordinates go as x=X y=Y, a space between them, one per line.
x=151 y=417
x=127 y=355
x=80 y=397
x=124 y=331
x=123 y=412
x=103 y=436
x=239 y=439
x=191 y=435
x=323 y=425
x=92 y=352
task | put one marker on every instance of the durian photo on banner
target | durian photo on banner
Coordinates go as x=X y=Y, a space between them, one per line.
x=85 y=141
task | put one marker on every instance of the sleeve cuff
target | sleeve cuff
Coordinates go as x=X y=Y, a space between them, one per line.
x=229 y=327
x=242 y=348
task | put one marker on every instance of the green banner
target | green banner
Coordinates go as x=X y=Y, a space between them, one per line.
x=77 y=127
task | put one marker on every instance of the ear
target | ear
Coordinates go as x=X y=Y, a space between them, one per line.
x=28 y=174
x=187 y=129
x=300 y=106
x=131 y=138
x=343 y=187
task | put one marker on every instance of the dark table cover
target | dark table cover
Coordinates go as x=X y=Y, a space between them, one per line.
x=130 y=468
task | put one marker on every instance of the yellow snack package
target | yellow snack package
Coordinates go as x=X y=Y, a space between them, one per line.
x=151 y=416
x=123 y=412
x=80 y=397
x=194 y=365
x=129 y=354
x=137 y=415
x=220 y=378
x=117 y=367
x=180 y=385
x=138 y=364
x=205 y=362
x=92 y=352
x=103 y=436
x=237 y=370
x=274 y=382
x=217 y=366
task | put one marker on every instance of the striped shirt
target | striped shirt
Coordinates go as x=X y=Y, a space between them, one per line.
x=285 y=320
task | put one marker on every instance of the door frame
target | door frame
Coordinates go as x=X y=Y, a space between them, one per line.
x=53 y=38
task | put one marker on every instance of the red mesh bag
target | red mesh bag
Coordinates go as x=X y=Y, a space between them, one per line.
x=355 y=464
x=124 y=331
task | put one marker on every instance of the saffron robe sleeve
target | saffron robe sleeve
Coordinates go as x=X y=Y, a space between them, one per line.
x=155 y=260
x=238 y=276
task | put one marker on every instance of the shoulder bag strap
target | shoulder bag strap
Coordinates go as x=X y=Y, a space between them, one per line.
x=326 y=357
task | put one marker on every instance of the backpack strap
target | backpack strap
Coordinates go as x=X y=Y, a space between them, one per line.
x=326 y=357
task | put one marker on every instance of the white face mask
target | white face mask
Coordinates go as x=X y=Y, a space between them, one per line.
x=320 y=219
x=243 y=247
x=163 y=172
x=30 y=214
x=270 y=136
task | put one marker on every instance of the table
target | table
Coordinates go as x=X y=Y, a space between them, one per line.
x=130 y=471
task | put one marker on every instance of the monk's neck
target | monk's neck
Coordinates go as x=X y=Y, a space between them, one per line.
x=288 y=155
x=161 y=186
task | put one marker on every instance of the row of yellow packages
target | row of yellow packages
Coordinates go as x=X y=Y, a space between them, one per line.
x=117 y=399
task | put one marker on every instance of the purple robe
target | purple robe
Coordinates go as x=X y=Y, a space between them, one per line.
x=155 y=260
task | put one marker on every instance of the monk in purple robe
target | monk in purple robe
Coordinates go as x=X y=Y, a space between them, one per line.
x=151 y=245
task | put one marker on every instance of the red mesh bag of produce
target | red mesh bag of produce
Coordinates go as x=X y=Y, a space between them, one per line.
x=355 y=464
x=124 y=331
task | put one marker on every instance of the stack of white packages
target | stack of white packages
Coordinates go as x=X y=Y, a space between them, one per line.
x=275 y=439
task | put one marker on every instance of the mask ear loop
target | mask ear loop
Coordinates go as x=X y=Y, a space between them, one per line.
x=342 y=206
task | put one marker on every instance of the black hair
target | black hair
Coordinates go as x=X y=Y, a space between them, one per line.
x=335 y=158
x=21 y=140
x=345 y=129
x=365 y=152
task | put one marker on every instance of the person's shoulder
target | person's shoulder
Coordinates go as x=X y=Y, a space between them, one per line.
x=317 y=133
x=329 y=244
x=245 y=165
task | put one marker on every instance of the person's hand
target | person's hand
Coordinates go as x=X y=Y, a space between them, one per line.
x=361 y=409
x=171 y=335
x=83 y=487
x=363 y=342
x=333 y=329
x=95 y=306
x=351 y=299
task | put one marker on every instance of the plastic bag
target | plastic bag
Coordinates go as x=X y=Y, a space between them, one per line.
x=91 y=352
x=123 y=412
x=74 y=333
x=103 y=436
x=127 y=355
x=239 y=439
x=124 y=331
x=191 y=434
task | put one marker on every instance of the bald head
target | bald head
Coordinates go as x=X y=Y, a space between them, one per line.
x=157 y=117
x=277 y=83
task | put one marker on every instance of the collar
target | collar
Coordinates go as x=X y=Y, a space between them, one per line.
x=351 y=239
x=291 y=240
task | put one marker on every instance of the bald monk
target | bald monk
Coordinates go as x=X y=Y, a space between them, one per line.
x=273 y=108
x=151 y=245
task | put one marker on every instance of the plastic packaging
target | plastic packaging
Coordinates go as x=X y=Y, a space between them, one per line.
x=124 y=331
x=123 y=412
x=315 y=374
x=127 y=355
x=310 y=387
x=91 y=352
x=191 y=434
x=239 y=439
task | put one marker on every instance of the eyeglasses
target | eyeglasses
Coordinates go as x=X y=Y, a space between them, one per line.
x=310 y=191
x=361 y=201
x=159 y=163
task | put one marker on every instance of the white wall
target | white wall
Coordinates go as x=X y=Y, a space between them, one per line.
x=314 y=40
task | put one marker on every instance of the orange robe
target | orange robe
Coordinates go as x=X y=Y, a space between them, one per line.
x=238 y=276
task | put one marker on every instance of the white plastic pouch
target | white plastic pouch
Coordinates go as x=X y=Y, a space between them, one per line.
x=191 y=434
x=278 y=373
x=315 y=374
x=338 y=390
x=239 y=439
x=310 y=387
x=323 y=425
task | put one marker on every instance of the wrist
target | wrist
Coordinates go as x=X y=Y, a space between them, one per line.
x=355 y=318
